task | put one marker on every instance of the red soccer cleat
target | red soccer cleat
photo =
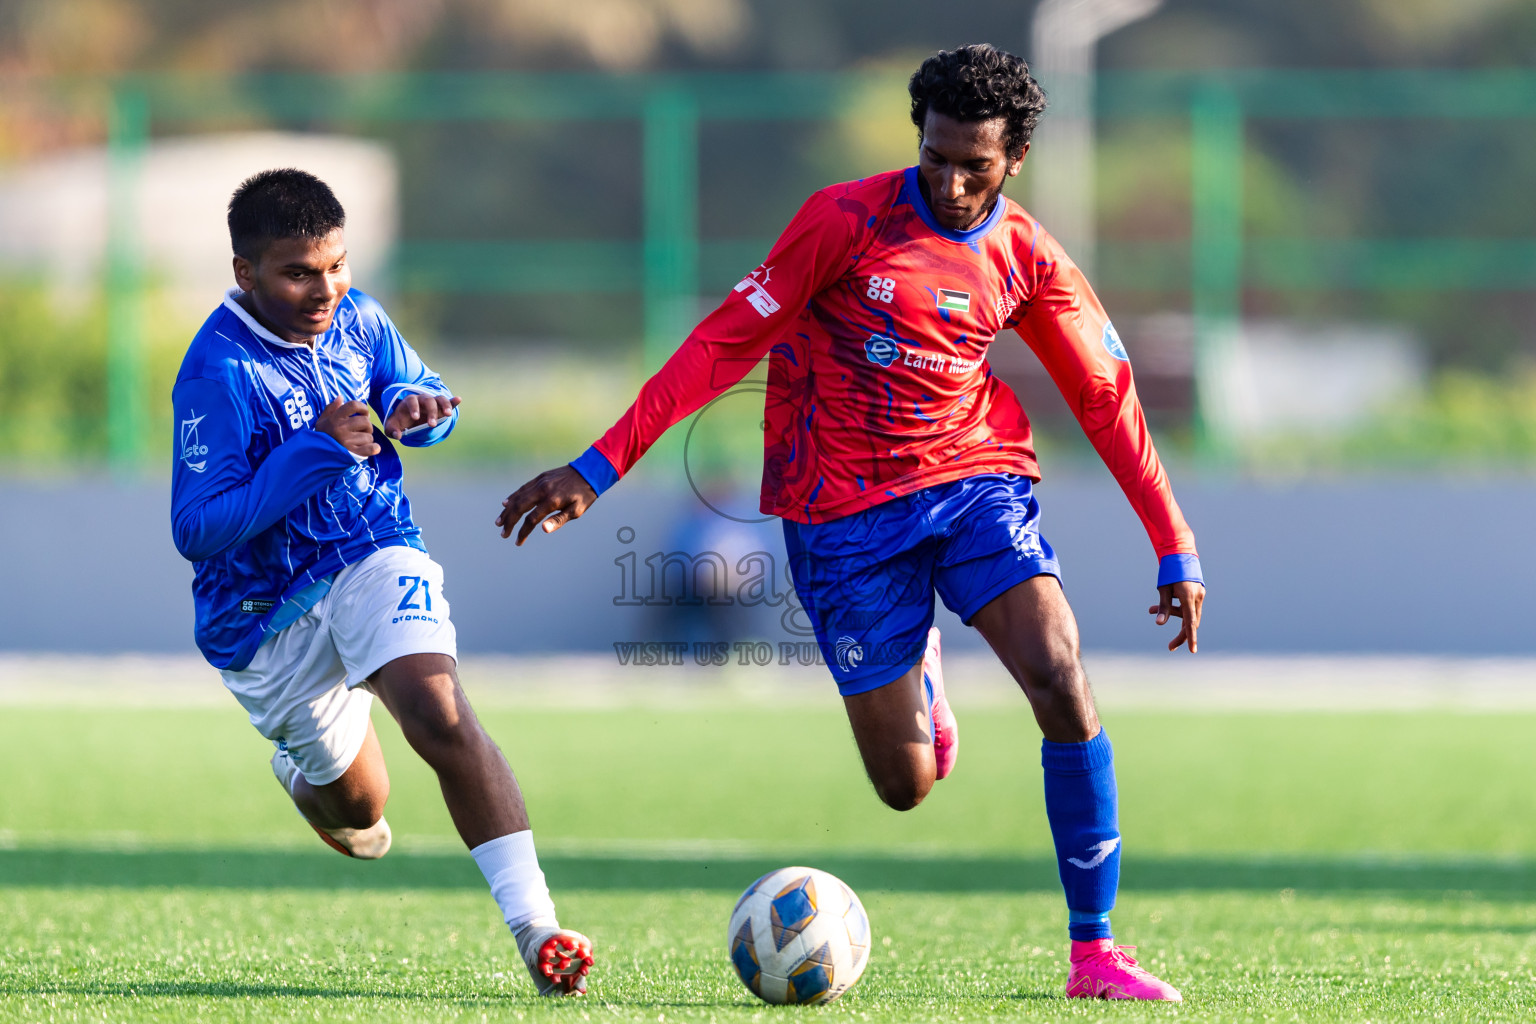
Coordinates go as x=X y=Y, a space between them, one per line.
x=557 y=958
x=946 y=731
x=1103 y=970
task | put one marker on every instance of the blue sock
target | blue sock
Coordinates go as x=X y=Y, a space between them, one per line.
x=1082 y=806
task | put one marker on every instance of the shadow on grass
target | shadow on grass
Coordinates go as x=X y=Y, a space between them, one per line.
x=225 y=990
x=241 y=990
x=241 y=869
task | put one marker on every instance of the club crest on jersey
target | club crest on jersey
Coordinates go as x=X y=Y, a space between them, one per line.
x=959 y=302
x=882 y=350
x=757 y=294
x=1113 y=345
x=849 y=653
x=191 y=448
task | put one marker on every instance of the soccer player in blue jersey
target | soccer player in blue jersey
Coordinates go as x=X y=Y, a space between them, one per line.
x=313 y=590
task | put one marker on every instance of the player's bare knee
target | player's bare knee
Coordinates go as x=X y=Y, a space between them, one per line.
x=901 y=796
x=1056 y=676
x=363 y=811
x=903 y=790
x=353 y=801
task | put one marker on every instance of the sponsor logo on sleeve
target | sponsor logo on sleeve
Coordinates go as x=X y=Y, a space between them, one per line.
x=959 y=302
x=882 y=350
x=754 y=285
x=191 y=448
x=1113 y=345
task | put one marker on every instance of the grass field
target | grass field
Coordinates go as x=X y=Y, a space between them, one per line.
x=1311 y=867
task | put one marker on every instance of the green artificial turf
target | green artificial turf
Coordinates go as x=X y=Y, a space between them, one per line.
x=1307 y=867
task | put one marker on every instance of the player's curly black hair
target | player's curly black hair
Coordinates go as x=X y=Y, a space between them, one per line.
x=281 y=203
x=977 y=83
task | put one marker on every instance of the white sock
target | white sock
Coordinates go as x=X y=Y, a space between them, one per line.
x=511 y=868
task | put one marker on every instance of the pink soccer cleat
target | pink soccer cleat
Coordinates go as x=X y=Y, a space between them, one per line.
x=1103 y=970
x=946 y=731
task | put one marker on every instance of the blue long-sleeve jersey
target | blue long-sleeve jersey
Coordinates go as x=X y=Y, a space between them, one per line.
x=267 y=507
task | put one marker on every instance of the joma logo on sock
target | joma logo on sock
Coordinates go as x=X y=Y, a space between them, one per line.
x=1105 y=848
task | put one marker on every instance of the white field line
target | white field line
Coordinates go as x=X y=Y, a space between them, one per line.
x=438 y=845
x=1172 y=682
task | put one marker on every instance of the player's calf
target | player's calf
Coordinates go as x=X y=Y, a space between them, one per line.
x=892 y=727
x=1033 y=632
x=423 y=693
x=364 y=833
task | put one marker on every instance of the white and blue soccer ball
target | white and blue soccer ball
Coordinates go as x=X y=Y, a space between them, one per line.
x=798 y=935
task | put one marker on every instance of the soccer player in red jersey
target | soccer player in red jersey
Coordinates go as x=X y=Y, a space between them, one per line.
x=901 y=466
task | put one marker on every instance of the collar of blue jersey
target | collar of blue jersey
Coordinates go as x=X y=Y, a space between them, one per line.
x=232 y=304
x=914 y=195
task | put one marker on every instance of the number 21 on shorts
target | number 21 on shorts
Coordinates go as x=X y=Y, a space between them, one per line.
x=417 y=585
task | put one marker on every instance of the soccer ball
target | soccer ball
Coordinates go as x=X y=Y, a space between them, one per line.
x=798 y=935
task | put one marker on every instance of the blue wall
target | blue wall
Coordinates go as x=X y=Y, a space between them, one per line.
x=1349 y=566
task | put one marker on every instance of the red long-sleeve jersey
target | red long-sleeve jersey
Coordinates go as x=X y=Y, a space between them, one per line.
x=876 y=321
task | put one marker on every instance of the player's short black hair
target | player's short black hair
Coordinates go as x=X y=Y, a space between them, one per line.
x=978 y=83
x=281 y=203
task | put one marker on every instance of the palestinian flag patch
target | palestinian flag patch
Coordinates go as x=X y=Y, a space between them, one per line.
x=960 y=302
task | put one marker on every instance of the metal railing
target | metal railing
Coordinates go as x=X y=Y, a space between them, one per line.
x=669 y=264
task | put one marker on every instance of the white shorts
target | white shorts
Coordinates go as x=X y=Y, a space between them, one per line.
x=306 y=688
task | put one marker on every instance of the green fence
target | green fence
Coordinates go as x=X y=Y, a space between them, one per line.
x=670 y=265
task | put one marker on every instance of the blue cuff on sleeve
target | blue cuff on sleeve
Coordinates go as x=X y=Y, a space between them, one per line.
x=595 y=468
x=431 y=435
x=1179 y=569
x=422 y=436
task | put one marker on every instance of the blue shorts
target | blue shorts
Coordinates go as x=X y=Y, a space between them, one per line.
x=867 y=580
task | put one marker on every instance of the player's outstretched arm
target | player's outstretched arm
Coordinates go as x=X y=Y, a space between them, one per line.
x=1067 y=328
x=553 y=498
x=1181 y=601
x=813 y=250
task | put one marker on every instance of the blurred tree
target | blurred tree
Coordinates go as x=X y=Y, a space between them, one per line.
x=1408 y=178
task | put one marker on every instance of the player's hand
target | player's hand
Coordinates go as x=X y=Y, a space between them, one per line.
x=348 y=423
x=418 y=410
x=553 y=498
x=1181 y=601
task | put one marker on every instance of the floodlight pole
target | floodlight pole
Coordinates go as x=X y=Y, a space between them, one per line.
x=1063 y=35
x=670 y=251
x=127 y=136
